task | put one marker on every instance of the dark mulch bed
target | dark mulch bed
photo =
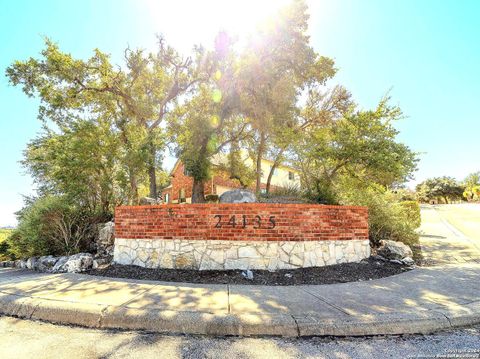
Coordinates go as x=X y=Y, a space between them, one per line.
x=339 y=273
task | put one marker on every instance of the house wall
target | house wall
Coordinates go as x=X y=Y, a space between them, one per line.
x=220 y=181
x=181 y=181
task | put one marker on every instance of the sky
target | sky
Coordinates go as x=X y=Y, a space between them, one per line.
x=426 y=54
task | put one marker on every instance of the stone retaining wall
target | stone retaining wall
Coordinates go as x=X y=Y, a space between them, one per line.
x=215 y=254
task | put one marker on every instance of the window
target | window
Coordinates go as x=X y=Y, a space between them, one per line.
x=263 y=191
x=185 y=171
x=291 y=176
x=181 y=195
x=167 y=198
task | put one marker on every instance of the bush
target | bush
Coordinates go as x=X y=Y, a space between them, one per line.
x=211 y=198
x=51 y=225
x=5 y=251
x=290 y=193
x=387 y=217
x=412 y=212
x=321 y=192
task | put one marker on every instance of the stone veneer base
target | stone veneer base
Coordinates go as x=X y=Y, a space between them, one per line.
x=224 y=254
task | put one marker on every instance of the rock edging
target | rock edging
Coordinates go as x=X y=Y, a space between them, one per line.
x=75 y=263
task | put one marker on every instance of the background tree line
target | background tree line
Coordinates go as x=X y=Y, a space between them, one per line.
x=447 y=189
x=107 y=127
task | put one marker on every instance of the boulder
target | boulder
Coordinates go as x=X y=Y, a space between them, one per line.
x=46 y=263
x=394 y=250
x=147 y=201
x=100 y=262
x=58 y=267
x=76 y=263
x=105 y=240
x=21 y=264
x=238 y=196
x=32 y=263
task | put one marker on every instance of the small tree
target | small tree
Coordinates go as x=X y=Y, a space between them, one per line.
x=141 y=93
x=472 y=186
x=445 y=188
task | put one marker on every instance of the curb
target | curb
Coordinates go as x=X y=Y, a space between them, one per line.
x=201 y=323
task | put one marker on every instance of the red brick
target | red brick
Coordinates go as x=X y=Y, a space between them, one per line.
x=197 y=221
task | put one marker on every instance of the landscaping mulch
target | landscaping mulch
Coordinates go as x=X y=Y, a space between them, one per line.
x=340 y=273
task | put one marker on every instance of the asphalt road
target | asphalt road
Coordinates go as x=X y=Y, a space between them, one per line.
x=31 y=339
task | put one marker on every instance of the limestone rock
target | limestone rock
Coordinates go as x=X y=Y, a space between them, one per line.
x=99 y=262
x=74 y=264
x=105 y=239
x=31 y=263
x=248 y=274
x=58 y=267
x=394 y=250
x=147 y=201
x=46 y=263
x=19 y=263
x=238 y=196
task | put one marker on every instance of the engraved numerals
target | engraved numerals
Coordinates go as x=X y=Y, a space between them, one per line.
x=243 y=222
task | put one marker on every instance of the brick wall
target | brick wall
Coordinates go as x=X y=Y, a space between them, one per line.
x=246 y=221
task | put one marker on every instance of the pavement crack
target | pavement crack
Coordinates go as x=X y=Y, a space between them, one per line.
x=34 y=309
x=101 y=316
x=449 y=321
x=228 y=298
x=296 y=325
x=326 y=302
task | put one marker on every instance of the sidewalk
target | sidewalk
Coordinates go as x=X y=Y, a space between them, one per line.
x=420 y=301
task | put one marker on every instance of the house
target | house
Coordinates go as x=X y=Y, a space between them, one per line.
x=180 y=188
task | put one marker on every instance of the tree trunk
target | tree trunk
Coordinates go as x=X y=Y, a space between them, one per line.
x=133 y=187
x=272 y=171
x=446 y=199
x=269 y=179
x=261 y=149
x=198 y=191
x=152 y=175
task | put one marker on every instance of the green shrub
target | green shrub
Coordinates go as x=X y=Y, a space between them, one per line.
x=288 y=190
x=5 y=251
x=387 y=218
x=289 y=193
x=211 y=198
x=51 y=225
x=321 y=192
x=412 y=212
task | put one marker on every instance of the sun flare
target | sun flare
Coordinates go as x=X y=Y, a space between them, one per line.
x=201 y=20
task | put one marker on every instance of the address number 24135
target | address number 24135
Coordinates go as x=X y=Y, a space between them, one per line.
x=244 y=222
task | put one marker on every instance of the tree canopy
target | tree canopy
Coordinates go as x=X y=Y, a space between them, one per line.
x=439 y=188
x=107 y=127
